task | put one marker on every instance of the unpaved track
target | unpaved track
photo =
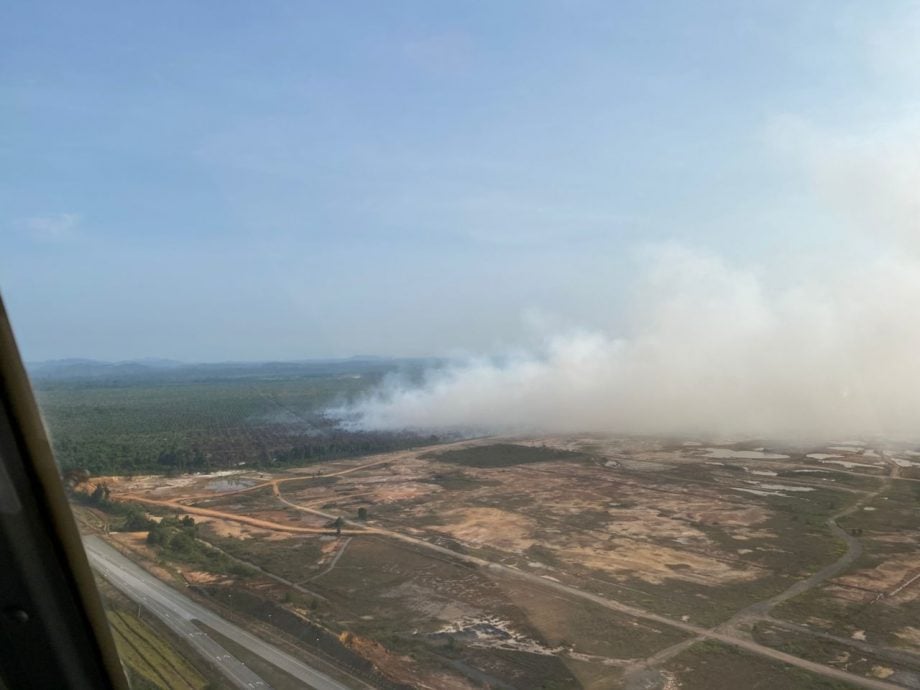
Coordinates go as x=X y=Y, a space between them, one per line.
x=386 y=458
x=702 y=633
x=641 y=674
x=233 y=517
x=335 y=560
x=725 y=634
x=275 y=482
x=854 y=550
x=898 y=656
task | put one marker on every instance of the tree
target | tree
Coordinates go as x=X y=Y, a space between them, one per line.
x=362 y=514
x=136 y=521
x=100 y=494
x=338 y=525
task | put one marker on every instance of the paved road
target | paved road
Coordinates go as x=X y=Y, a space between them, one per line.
x=178 y=611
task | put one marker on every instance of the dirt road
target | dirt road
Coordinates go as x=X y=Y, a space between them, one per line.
x=233 y=517
x=643 y=675
x=726 y=637
x=725 y=633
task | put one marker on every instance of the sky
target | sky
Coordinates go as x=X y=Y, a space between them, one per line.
x=279 y=180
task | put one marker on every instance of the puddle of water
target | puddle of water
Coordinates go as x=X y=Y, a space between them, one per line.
x=849 y=465
x=781 y=487
x=722 y=453
x=758 y=492
x=901 y=462
x=229 y=484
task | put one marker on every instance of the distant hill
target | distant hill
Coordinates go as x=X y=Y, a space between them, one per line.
x=91 y=368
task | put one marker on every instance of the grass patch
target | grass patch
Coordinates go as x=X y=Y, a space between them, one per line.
x=240 y=500
x=503 y=455
x=290 y=485
x=709 y=664
x=589 y=628
x=822 y=650
x=150 y=657
x=293 y=559
x=880 y=620
x=458 y=481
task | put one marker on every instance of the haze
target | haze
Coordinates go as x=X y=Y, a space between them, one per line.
x=660 y=217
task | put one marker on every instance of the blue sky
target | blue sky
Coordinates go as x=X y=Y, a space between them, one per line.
x=281 y=180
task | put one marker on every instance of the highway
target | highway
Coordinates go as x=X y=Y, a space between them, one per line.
x=178 y=612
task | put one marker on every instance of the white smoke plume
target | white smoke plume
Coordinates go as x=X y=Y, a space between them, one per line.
x=720 y=350
x=782 y=351
x=715 y=352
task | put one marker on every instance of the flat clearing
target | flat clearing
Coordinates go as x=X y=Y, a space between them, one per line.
x=710 y=665
x=486 y=561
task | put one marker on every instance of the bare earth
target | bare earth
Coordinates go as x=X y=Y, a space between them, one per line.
x=597 y=562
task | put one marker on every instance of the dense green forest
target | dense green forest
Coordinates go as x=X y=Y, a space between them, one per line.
x=208 y=418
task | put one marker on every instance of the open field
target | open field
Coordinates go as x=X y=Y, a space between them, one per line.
x=578 y=561
x=711 y=665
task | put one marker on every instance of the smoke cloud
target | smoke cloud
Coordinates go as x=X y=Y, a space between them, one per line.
x=716 y=351
x=712 y=348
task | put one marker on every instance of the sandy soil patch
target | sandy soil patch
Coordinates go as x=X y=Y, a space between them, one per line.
x=132 y=540
x=403 y=492
x=887 y=576
x=655 y=563
x=198 y=577
x=499 y=528
x=159 y=486
x=237 y=530
x=721 y=513
x=910 y=637
x=882 y=671
x=639 y=523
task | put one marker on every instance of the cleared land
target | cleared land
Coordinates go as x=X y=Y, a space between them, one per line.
x=574 y=561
